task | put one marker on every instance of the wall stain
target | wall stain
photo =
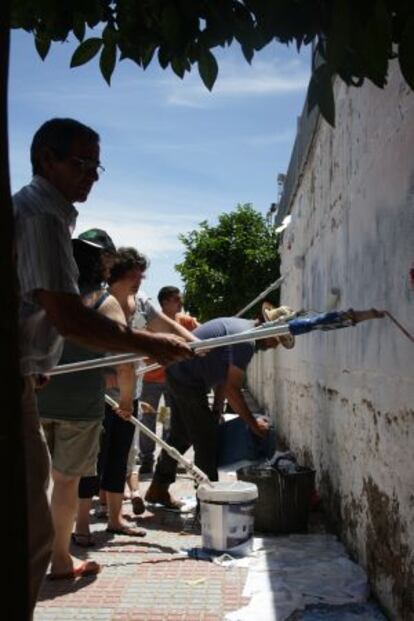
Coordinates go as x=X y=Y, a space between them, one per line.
x=352 y=511
x=331 y=501
x=330 y=392
x=387 y=554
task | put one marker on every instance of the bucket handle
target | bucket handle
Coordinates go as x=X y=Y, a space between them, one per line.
x=288 y=457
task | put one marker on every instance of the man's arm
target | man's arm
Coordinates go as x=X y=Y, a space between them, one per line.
x=75 y=321
x=162 y=323
x=232 y=390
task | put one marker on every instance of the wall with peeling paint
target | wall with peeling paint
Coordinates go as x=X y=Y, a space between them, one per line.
x=344 y=400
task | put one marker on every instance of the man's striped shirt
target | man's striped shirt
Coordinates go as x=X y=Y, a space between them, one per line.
x=45 y=221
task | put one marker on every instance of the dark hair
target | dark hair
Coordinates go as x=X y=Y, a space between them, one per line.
x=58 y=135
x=166 y=292
x=127 y=259
x=89 y=261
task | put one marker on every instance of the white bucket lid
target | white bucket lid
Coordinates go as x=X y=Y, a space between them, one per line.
x=228 y=491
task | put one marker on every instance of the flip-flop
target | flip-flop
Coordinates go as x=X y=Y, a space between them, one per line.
x=129 y=532
x=87 y=568
x=83 y=540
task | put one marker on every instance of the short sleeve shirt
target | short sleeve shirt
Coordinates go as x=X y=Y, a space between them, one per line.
x=44 y=222
x=210 y=370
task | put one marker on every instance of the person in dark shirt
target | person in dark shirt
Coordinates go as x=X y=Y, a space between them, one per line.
x=192 y=420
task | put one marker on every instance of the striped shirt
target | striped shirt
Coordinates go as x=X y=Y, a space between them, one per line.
x=145 y=312
x=44 y=222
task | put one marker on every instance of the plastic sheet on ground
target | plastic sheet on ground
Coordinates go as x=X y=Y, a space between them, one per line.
x=286 y=574
x=347 y=612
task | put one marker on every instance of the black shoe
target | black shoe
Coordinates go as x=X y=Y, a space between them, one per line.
x=146 y=468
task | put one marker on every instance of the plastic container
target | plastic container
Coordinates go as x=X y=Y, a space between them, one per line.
x=227 y=516
x=284 y=497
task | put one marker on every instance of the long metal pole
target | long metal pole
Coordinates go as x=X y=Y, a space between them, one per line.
x=267 y=330
x=301 y=325
x=198 y=474
x=261 y=296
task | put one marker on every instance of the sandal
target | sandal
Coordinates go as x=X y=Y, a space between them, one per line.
x=87 y=568
x=83 y=540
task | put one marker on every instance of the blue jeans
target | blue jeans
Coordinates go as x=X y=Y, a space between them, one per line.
x=151 y=393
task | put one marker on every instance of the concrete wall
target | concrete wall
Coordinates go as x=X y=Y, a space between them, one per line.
x=344 y=400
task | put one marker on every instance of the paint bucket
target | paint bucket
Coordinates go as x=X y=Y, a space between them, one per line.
x=227 y=516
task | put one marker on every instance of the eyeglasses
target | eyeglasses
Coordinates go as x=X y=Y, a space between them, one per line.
x=87 y=164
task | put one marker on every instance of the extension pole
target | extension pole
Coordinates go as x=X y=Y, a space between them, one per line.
x=198 y=474
x=261 y=296
x=298 y=326
x=220 y=341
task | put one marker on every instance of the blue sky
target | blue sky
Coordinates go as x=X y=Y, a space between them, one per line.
x=174 y=153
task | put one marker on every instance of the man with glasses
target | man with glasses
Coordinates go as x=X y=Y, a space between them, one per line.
x=65 y=161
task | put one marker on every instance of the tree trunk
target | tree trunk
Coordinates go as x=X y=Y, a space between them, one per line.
x=13 y=514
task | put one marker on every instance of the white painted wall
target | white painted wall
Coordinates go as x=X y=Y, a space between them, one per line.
x=344 y=400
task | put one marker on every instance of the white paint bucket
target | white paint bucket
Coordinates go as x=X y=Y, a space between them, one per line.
x=227 y=518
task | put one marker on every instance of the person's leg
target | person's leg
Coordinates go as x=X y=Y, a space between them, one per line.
x=75 y=454
x=201 y=428
x=151 y=393
x=82 y=534
x=132 y=468
x=64 y=506
x=166 y=468
x=87 y=489
x=198 y=424
x=117 y=442
x=40 y=526
x=132 y=479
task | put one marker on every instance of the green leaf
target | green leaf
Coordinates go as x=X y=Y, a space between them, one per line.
x=179 y=66
x=248 y=52
x=147 y=55
x=376 y=44
x=107 y=61
x=86 y=51
x=172 y=26
x=406 y=52
x=320 y=93
x=109 y=35
x=79 y=27
x=339 y=33
x=163 y=56
x=208 y=69
x=42 y=46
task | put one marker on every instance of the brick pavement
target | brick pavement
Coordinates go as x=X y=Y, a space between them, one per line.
x=146 y=579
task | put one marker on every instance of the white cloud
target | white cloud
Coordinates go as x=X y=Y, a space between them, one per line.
x=151 y=238
x=262 y=78
x=153 y=231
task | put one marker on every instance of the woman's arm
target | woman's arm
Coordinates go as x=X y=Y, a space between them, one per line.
x=125 y=373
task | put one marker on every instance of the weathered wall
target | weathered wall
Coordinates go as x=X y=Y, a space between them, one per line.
x=344 y=400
